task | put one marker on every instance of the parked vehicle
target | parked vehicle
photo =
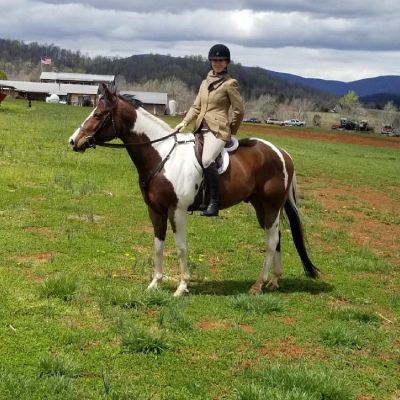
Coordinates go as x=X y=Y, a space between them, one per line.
x=252 y=120
x=294 y=122
x=348 y=125
x=387 y=129
x=274 y=121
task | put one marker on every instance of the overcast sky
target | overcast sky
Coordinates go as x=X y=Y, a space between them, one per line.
x=330 y=39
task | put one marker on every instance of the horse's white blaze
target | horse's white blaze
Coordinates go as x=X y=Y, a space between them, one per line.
x=73 y=137
x=279 y=153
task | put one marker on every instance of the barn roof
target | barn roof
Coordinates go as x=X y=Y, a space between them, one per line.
x=51 y=88
x=148 y=97
x=69 y=76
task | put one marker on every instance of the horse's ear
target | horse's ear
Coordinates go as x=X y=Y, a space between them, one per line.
x=102 y=89
x=108 y=94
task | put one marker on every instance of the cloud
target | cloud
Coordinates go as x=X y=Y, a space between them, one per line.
x=349 y=8
x=300 y=27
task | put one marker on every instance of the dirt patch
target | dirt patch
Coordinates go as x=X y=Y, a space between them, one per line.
x=41 y=231
x=360 y=213
x=343 y=137
x=34 y=277
x=247 y=328
x=206 y=324
x=286 y=348
x=35 y=258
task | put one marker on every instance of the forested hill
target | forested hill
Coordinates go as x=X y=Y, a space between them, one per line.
x=21 y=60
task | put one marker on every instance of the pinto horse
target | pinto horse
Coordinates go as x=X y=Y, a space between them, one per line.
x=170 y=178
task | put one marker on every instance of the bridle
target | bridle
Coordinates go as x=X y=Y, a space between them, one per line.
x=91 y=142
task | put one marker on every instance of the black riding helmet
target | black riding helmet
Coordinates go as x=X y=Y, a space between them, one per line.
x=219 y=52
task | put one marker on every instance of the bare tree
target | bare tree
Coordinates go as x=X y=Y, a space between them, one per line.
x=300 y=107
x=177 y=90
x=389 y=115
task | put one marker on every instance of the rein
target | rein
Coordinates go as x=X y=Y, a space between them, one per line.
x=125 y=145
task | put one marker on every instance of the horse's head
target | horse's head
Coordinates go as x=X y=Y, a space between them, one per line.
x=99 y=126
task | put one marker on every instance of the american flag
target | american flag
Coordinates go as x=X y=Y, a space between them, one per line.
x=45 y=60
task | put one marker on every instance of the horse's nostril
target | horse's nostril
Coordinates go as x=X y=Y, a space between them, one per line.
x=71 y=142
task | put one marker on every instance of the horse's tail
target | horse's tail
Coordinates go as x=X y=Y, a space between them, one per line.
x=296 y=226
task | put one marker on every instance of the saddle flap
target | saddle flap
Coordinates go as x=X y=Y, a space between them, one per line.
x=222 y=160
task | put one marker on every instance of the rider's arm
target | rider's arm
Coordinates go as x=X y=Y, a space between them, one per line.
x=236 y=104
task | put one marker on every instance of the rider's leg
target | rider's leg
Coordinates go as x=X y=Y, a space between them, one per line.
x=212 y=147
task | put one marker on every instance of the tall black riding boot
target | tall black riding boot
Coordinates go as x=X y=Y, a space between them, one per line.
x=212 y=182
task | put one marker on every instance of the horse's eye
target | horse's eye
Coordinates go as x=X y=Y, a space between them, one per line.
x=97 y=115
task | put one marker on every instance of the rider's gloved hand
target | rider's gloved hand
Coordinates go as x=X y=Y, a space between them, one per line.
x=181 y=126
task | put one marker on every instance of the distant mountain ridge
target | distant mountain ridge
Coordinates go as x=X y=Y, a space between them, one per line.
x=18 y=58
x=371 y=90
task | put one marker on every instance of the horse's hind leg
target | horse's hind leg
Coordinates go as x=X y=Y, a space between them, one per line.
x=160 y=228
x=276 y=266
x=178 y=221
x=272 y=241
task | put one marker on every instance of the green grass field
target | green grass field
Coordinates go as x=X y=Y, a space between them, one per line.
x=76 y=251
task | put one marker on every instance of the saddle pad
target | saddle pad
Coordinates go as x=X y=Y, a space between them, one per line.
x=224 y=161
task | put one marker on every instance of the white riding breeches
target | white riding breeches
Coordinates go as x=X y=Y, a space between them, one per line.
x=212 y=147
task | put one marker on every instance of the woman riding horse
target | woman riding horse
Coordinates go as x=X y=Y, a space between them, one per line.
x=217 y=94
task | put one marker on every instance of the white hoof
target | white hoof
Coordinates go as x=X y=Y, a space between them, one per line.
x=182 y=289
x=153 y=285
x=273 y=284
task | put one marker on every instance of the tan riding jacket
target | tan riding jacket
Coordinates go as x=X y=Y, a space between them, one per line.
x=213 y=106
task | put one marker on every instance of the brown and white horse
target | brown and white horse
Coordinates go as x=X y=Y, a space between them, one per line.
x=170 y=178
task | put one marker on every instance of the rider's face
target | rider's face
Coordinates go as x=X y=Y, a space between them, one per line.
x=219 y=66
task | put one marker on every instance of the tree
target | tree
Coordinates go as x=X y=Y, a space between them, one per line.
x=389 y=113
x=300 y=106
x=350 y=102
x=350 y=106
x=317 y=120
x=3 y=76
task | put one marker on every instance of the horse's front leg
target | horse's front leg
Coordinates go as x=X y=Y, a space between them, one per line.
x=178 y=222
x=159 y=222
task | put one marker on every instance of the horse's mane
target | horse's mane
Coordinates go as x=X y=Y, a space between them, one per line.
x=137 y=104
x=131 y=99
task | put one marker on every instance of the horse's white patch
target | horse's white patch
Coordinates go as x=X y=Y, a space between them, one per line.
x=181 y=169
x=279 y=153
